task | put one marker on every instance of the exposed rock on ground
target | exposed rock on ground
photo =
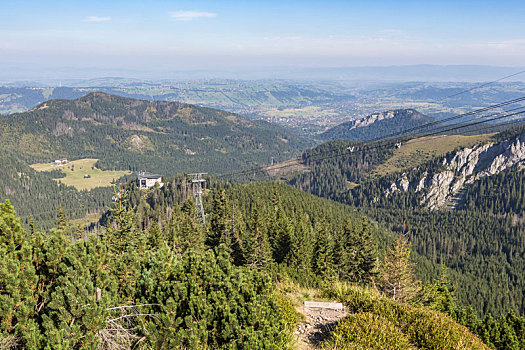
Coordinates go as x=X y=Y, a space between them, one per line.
x=319 y=322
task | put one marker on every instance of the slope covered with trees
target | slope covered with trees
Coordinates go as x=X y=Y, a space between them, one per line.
x=162 y=280
x=481 y=240
x=128 y=134
x=155 y=278
x=122 y=290
x=124 y=134
x=37 y=196
x=270 y=223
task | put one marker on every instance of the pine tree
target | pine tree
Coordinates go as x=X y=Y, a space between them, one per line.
x=301 y=245
x=72 y=314
x=257 y=247
x=396 y=279
x=220 y=217
x=200 y=300
x=18 y=283
x=125 y=245
x=323 y=263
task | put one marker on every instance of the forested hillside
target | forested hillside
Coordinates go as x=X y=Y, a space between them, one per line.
x=37 y=196
x=254 y=234
x=313 y=239
x=124 y=134
x=127 y=134
x=154 y=277
x=480 y=238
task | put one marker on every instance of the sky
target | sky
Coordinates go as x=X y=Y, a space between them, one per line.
x=192 y=35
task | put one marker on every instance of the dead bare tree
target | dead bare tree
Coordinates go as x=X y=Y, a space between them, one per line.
x=8 y=342
x=121 y=328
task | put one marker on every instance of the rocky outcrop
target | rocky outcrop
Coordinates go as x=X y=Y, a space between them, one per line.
x=460 y=168
x=379 y=125
x=375 y=117
x=371 y=119
x=400 y=185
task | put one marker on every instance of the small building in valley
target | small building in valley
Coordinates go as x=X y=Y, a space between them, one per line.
x=61 y=161
x=149 y=180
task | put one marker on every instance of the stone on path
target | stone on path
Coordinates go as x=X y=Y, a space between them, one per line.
x=323 y=305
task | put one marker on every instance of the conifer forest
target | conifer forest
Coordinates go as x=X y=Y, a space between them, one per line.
x=277 y=175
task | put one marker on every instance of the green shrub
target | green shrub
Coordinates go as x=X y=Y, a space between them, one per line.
x=423 y=328
x=290 y=316
x=367 y=331
x=356 y=298
x=201 y=300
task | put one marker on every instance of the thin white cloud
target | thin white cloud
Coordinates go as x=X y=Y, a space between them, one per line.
x=191 y=15
x=96 y=19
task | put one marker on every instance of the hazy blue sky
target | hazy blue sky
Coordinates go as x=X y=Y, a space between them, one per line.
x=218 y=34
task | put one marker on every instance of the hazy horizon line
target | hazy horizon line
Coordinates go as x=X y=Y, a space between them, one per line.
x=395 y=73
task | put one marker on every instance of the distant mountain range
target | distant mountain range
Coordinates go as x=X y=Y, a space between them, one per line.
x=378 y=125
x=234 y=96
x=75 y=76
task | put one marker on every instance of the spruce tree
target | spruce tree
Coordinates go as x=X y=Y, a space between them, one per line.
x=184 y=230
x=439 y=296
x=323 y=263
x=219 y=219
x=125 y=244
x=396 y=279
x=301 y=244
x=62 y=222
x=154 y=236
x=257 y=247
x=279 y=234
x=237 y=232
x=345 y=250
x=366 y=255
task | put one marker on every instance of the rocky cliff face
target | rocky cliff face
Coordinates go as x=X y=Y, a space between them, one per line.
x=378 y=125
x=460 y=168
x=371 y=119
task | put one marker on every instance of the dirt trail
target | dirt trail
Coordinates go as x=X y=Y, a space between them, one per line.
x=319 y=322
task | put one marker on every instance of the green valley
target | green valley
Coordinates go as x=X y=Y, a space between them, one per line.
x=266 y=175
x=109 y=137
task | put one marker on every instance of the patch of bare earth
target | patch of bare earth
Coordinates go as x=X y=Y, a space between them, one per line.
x=320 y=319
x=286 y=167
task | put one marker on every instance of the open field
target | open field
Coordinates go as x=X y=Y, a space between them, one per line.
x=420 y=150
x=302 y=112
x=90 y=218
x=77 y=169
x=287 y=167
